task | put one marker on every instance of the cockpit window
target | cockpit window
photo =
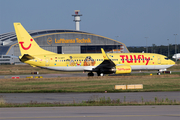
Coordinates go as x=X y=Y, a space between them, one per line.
x=166 y=58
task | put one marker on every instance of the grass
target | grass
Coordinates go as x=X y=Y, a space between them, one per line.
x=94 y=102
x=176 y=67
x=25 y=69
x=166 y=82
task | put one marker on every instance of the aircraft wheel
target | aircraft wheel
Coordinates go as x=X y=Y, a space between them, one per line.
x=101 y=74
x=98 y=74
x=158 y=73
x=90 y=74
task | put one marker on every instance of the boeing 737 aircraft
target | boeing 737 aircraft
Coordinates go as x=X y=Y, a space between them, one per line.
x=110 y=63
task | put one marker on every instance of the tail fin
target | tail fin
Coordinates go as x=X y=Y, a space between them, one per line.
x=27 y=44
x=104 y=54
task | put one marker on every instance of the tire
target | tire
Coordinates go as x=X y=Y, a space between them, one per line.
x=101 y=74
x=158 y=73
x=90 y=74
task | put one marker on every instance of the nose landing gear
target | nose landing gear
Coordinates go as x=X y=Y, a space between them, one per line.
x=163 y=71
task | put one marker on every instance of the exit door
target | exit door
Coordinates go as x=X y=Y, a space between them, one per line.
x=159 y=60
x=47 y=61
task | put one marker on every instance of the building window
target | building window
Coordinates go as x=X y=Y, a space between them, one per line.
x=97 y=49
x=59 y=49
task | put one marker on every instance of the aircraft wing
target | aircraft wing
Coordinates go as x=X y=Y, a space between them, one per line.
x=89 y=68
x=106 y=64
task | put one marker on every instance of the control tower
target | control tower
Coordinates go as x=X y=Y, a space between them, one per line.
x=77 y=19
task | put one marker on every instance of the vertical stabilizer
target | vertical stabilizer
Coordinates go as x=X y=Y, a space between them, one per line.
x=104 y=54
x=26 y=43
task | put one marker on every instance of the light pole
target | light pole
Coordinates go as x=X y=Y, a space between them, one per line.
x=168 y=47
x=117 y=43
x=146 y=45
x=175 y=48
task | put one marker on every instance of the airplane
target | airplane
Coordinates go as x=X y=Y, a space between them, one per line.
x=100 y=63
x=176 y=56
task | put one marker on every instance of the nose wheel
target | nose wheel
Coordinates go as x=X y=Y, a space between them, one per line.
x=158 y=73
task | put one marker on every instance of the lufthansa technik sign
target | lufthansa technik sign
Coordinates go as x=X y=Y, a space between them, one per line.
x=77 y=40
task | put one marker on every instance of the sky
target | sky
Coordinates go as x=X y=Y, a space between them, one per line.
x=131 y=20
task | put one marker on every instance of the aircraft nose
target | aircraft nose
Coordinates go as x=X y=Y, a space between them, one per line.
x=172 y=62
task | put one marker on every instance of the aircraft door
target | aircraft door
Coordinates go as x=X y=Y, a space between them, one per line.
x=47 y=61
x=159 y=60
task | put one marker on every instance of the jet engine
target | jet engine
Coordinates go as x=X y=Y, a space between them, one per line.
x=122 y=69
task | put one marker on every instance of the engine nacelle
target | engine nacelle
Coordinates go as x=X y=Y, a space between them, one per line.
x=123 y=69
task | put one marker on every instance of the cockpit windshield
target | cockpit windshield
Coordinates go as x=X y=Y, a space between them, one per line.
x=166 y=58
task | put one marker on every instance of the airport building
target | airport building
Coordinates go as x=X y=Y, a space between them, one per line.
x=61 y=42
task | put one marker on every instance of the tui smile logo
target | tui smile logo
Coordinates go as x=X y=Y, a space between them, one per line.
x=25 y=48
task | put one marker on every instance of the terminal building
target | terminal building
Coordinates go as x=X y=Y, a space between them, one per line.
x=61 y=42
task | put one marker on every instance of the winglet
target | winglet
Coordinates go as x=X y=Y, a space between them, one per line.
x=104 y=54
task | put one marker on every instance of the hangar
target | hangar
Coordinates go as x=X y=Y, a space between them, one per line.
x=61 y=42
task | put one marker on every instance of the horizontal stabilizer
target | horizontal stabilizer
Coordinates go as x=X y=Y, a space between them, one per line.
x=27 y=57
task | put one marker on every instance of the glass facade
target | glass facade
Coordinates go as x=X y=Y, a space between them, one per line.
x=97 y=49
x=3 y=50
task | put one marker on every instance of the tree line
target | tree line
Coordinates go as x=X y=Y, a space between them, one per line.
x=156 y=49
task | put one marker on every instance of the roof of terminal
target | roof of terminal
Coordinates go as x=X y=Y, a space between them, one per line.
x=10 y=38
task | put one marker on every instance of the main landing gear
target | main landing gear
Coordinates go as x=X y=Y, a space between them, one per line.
x=98 y=74
x=90 y=74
